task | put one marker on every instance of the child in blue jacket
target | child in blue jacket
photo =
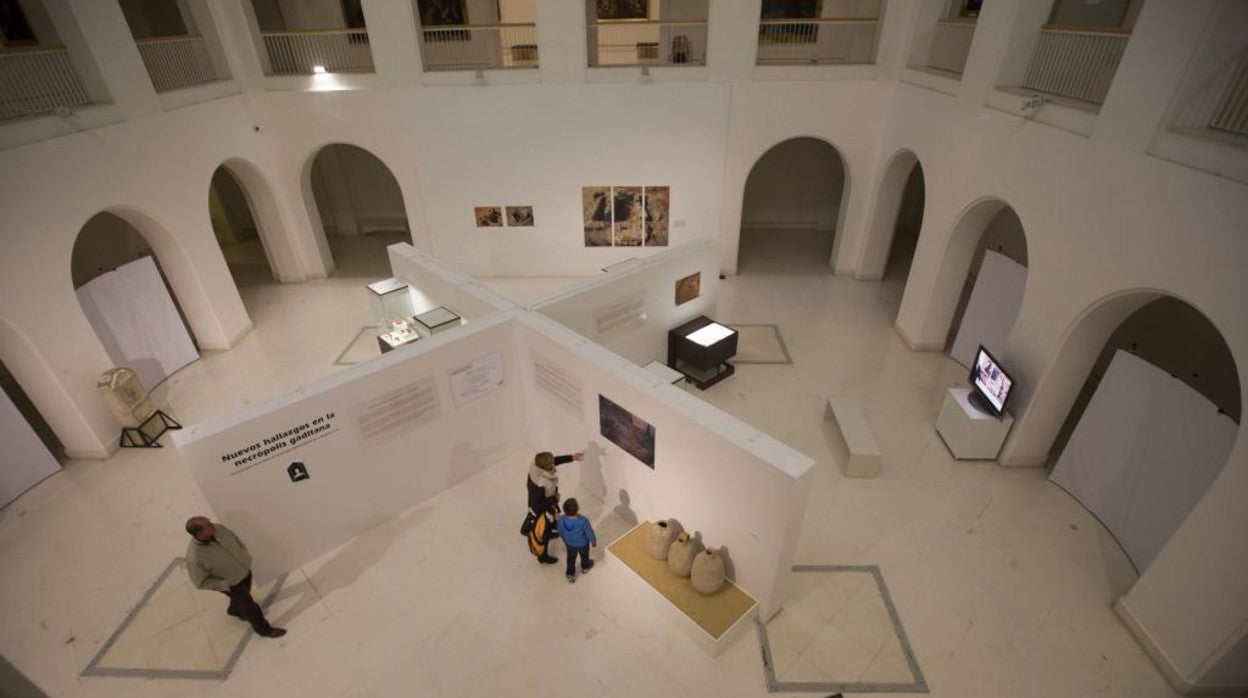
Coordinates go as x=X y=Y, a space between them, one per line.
x=577 y=535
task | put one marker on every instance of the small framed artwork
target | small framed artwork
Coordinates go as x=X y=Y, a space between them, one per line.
x=520 y=216
x=488 y=216
x=622 y=10
x=688 y=288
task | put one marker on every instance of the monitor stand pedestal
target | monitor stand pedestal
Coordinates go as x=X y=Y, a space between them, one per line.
x=969 y=433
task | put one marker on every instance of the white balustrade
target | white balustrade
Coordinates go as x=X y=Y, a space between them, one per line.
x=335 y=50
x=951 y=44
x=37 y=82
x=479 y=46
x=177 y=61
x=647 y=43
x=1075 y=63
x=847 y=41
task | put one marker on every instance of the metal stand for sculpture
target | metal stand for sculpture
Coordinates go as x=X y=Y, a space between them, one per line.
x=142 y=424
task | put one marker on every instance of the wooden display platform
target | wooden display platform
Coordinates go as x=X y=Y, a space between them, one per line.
x=711 y=621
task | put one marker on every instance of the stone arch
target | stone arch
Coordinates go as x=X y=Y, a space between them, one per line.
x=262 y=203
x=840 y=160
x=888 y=203
x=314 y=211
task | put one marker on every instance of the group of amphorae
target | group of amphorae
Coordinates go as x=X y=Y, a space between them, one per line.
x=704 y=568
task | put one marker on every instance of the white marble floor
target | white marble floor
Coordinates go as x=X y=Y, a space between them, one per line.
x=999 y=578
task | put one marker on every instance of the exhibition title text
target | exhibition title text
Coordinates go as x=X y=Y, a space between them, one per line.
x=280 y=441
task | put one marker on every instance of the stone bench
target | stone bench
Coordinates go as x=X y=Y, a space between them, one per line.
x=864 y=453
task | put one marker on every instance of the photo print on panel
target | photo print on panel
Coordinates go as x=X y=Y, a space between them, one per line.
x=628 y=217
x=488 y=216
x=631 y=433
x=596 y=208
x=688 y=288
x=657 y=199
x=520 y=216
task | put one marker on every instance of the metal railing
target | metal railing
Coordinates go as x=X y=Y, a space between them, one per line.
x=848 y=41
x=479 y=46
x=951 y=44
x=647 y=43
x=174 y=62
x=1076 y=63
x=37 y=82
x=335 y=50
x=1218 y=101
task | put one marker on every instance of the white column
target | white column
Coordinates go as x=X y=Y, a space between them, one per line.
x=392 y=39
x=732 y=39
x=200 y=20
x=561 y=33
x=1005 y=37
x=1164 y=38
x=896 y=31
x=240 y=38
x=100 y=43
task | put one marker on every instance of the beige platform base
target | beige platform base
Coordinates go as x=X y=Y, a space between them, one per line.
x=711 y=621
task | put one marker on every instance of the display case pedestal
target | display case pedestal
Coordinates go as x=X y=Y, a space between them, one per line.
x=969 y=433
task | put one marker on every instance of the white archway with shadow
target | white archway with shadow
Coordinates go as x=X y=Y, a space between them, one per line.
x=893 y=232
x=247 y=223
x=356 y=207
x=793 y=206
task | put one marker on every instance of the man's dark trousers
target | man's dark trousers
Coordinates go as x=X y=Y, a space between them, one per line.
x=245 y=607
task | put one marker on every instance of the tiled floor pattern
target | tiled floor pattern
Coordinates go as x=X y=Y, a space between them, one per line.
x=177 y=632
x=759 y=344
x=839 y=631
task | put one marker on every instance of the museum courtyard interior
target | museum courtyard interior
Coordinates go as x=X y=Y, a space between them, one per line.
x=841 y=182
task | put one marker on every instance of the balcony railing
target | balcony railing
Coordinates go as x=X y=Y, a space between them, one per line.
x=1219 y=101
x=657 y=42
x=1076 y=63
x=335 y=50
x=479 y=46
x=37 y=82
x=951 y=44
x=848 y=41
x=175 y=62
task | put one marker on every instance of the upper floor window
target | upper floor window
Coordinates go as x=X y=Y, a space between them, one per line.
x=805 y=31
x=481 y=36
x=647 y=33
x=302 y=38
x=1078 y=50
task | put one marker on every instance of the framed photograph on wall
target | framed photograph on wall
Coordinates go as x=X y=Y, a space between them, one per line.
x=488 y=216
x=622 y=10
x=628 y=216
x=688 y=288
x=596 y=215
x=520 y=216
x=657 y=200
x=622 y=428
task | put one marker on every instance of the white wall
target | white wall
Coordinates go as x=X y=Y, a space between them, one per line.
x=719 y=477
x=434 y=284
x=285 y=523
x=655 y=277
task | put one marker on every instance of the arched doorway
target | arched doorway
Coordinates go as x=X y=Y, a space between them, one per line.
x=247 y=224
x=792 y=208
x=106 y=242
x=987 y=228
x=359 y=204
x=897 y=220
x=1175 y=338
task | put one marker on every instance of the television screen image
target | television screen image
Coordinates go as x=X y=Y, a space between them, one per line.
x=631 y=433
x=990 y=380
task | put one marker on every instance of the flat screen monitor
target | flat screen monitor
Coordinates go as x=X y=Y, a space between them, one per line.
x=990 y=384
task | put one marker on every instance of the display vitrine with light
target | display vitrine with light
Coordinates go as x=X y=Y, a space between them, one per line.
x=700 y=349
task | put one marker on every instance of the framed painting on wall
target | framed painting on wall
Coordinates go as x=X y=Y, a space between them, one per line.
x=622 y=428
x=488 y=216
x=520 y=216
x=628 y=216
x=688 y=288
x=621 y=10
x=657 y=200
x=596 y=213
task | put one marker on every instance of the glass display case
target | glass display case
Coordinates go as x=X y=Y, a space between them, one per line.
x=437 y=320
x=391 y=299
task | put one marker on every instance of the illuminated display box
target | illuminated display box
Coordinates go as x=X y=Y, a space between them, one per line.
x=700 y=349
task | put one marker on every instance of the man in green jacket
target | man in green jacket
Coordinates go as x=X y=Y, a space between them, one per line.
x=217 y=560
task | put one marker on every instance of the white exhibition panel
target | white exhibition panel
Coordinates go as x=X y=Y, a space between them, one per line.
x=991 y=309
x=719 y=477
x=24 y=460
x=375 y=440
x=137 y=322
x=433 y=284
x=1146 y=449
x=651 y=282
